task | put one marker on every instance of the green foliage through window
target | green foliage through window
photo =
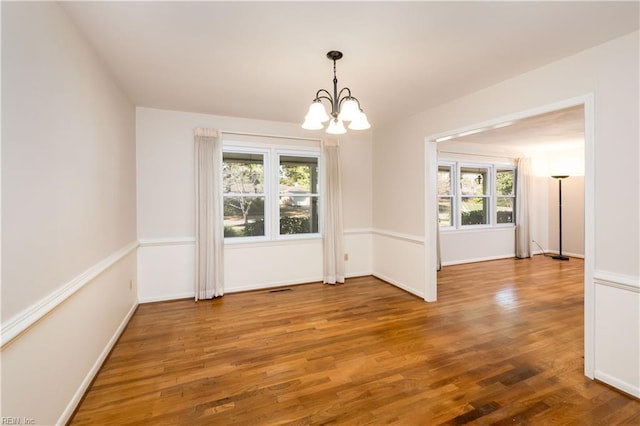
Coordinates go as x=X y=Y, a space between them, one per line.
x=267 y=193
x=475 y=194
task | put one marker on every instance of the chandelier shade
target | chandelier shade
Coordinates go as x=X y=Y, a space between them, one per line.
x=336 y=127
x=344 y=107
x=360 y=122
x=312 y=124
x=349 y=110
x=317 y=113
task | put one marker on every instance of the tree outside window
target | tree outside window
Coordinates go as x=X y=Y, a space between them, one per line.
x=474 y=196
x=445 y=196
x=298 y=192
x=270 y=192
x=505 y=196
x=243 y=180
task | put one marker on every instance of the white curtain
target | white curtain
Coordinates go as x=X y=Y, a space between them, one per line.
x=523 y=188
x=332 y=229
x=209 y=251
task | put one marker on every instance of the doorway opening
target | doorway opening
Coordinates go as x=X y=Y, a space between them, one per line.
x=493 y=142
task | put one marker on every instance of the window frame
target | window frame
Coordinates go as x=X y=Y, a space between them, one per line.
x=239 y=149
x=487 y=194
x=272 y=153
x=492 y=169
x=452 y=194
x=513 y=169
x=276 y=213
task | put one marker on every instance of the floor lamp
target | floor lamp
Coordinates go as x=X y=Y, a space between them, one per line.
x=560 y=256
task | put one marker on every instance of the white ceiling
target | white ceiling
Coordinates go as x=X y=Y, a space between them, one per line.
x=265 y=60
x=556 y=130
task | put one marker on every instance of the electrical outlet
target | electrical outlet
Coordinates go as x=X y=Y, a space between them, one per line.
x=346 y=256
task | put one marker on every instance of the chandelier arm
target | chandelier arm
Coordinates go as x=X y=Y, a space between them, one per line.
x=347 y=96
x=350 y=97
x=324 y=97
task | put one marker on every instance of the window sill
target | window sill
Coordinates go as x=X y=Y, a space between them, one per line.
x=480 y=228
x=297 y=240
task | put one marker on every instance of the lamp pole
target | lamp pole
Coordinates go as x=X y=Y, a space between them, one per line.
x=560 y=256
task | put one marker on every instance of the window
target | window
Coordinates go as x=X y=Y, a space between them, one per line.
x=243 y=187
x=505 y=196
x=298 y=203
x=445 y=196
x=270 y=192
x=475 y=195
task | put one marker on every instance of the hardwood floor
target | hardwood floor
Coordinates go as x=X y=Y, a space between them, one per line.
x=503 y=345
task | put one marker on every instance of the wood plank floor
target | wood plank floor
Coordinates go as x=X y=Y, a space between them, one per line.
x=503 y=345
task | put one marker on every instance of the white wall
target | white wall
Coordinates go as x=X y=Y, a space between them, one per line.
x=166 y=217
x=68 y=212
x=610 y=73
x=476 y=245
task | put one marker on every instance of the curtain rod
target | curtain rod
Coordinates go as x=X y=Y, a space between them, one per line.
x=227 y=132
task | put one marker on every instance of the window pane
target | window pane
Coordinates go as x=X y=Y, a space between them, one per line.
x=444 y=180
x=298 y=183
x=504 y=182
x=243 y=216
x=473 y=181
x=474 y=211
x=298 y=215
x=242 y=173
x=445 y=217
x=298 y=174
x=505 y=209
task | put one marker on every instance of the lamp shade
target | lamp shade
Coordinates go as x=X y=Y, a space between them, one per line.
x=311 y=124
x=349 y=110
x=317 y=113
x=336 y=127
x=360 y=122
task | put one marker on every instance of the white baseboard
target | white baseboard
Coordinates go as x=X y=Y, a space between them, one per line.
x=478 y=259
x=564 y=253
x=274 y=284
x=506 y=256
x=358 y=274
x=77 y=397
x=267 y=286
x=167 y=297
x=619 y=384
x=191 y=295
x=399 y=285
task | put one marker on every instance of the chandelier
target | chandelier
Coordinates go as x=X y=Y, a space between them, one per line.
x=344 y=107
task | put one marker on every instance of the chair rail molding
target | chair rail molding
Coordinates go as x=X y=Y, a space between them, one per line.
x=24 y=320
x=621 y=281
x=418 y=239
